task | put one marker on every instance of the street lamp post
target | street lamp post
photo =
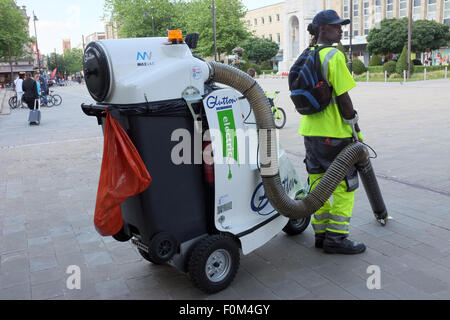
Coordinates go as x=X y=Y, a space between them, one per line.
x=213 y=9
x=37 y=47
x=351 y=35
x=409 y=37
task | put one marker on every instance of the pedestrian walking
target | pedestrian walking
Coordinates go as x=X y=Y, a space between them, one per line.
x=326 y=133
x=19 y=90
x=30 y=93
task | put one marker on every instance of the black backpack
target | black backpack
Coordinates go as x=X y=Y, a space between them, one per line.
x=310 y=92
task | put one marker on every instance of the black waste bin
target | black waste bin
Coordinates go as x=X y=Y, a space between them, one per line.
x=172 y=210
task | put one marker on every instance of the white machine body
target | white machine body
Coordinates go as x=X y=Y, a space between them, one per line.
x=150 y=69
x=241 y=207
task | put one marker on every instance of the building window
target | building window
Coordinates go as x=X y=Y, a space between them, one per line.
x=256 y=22
x=346 y=16
x=377 y=11
x=262 y=20
x=446 y=12
x=355 y=18
x=389 y=9
x=270 y=19
x=366 y=5
x=431 y=10
x=278 y=17
x=417 y=7
x=403 y=8
x=279 y=37
x=327 y=5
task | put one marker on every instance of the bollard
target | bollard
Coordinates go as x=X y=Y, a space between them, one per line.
x=368 y=76
x=353 y=74
x=446 y=72
x=404 y=76
x=385 y=76
x=425 y=74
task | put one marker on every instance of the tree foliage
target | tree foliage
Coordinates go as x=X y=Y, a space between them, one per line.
x=390 y=67
x=134 y=17
x=13 y=29
x=358 y=66
x=393 y=34
x=259 y=50
x=375 y=60
x=402 y=62
x=189 y=16
x=342 y=49
x=70 y=62
x=230 y=27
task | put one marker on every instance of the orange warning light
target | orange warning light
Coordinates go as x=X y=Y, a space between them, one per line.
x=175 y=36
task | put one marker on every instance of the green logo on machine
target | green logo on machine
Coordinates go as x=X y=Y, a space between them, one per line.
x=229 y=139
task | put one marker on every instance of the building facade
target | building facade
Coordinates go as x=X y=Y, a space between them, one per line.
x=95 y=37
x=66 y=45
x=366 y=14
x=111 y=30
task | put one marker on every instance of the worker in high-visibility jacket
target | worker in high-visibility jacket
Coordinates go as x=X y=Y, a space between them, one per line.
x=326 y=133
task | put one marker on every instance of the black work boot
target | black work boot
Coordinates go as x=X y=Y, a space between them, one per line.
x=320 y=237
x=338 y=243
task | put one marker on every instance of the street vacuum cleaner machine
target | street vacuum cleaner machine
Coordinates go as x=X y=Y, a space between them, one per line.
x=217 y=183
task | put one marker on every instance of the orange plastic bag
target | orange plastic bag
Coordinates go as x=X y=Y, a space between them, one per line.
x=123 y=174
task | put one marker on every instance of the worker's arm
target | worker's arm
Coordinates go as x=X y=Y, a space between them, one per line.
x=346 y=108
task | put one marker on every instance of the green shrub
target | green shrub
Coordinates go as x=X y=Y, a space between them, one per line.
x=270 y=71
x=266 y=65
x=402 y=62
x=375 y=60
x=389 y=67
x=429 y=68
x=376 y=69
x=358 y=67
x=395 y=76
x=256 y=67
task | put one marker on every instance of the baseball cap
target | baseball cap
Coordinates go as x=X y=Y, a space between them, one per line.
x=328 y=17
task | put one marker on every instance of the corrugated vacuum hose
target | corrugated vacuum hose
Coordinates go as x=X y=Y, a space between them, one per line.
x=354 y=154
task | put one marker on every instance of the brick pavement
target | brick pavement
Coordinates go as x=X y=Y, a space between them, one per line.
x=48 y=187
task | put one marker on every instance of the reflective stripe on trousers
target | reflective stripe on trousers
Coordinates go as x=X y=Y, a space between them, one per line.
x=334 y=216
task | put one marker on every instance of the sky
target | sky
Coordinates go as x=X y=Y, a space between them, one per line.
x=70 y=19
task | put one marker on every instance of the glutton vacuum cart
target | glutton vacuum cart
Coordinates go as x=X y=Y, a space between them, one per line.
x=221 y=185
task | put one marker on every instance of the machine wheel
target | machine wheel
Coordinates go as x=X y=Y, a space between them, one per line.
x=121 y=236
x=162 y=248
x=56 y=99
x=279 y=118
x=148 y=257
x=296 y=226
x=13 y=102
x=214 y=262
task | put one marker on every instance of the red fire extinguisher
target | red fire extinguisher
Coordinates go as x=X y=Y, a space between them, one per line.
x=208 y=162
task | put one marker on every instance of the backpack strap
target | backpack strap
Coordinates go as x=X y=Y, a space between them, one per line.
x=326 y=60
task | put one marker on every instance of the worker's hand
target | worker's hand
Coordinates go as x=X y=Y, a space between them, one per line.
x=360 y=136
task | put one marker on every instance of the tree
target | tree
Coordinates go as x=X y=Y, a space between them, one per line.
x=402 y=62
x=134 y=17
x=393 y=34
x=389 y=38
x=259 y=50
x=13 y=30
x=73 y=60
x=429 y=35
x=230 y=25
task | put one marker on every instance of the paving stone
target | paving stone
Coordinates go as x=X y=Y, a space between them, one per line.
x=47 y=290
x=47 y=275
x=361 y=291
x=422 y=281
x=40 y=263
x=14 y=278
x=98 y=258
x=112 y=288
x=19 y=292
x=288 y=290
x=14 y=262
x=404 y=291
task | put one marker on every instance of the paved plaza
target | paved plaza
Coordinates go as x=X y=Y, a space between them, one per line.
x=48 y=184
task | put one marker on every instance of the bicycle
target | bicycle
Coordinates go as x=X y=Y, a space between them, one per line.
x=279 y=115
x=56 y=98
